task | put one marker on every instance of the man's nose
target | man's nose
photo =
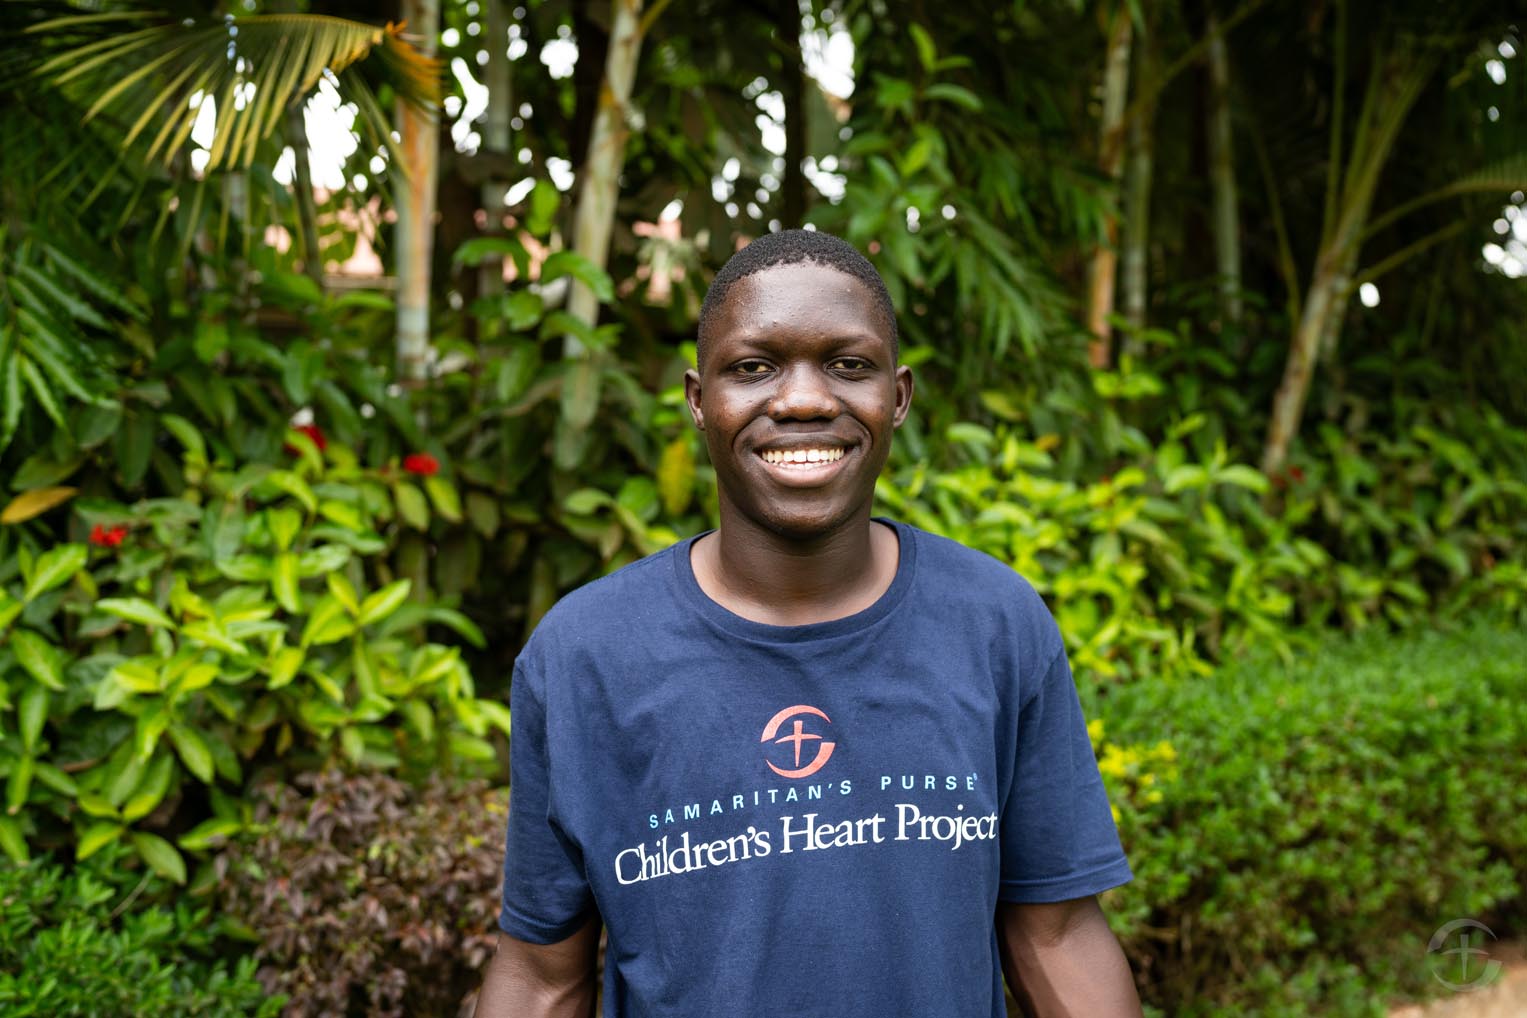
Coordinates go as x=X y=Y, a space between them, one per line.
x=803 y=393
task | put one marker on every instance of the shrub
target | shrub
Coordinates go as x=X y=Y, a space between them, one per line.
x=195 y=642
x=1320 y=820
x=367 y=896
x=73 y=946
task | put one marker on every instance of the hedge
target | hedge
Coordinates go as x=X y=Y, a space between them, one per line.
x=1299 y=830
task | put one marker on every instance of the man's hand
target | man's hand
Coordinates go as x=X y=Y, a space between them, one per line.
x=1062 y=961
x=542 y=981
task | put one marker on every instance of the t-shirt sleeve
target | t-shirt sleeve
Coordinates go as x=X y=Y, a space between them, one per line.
x=546 y=896
x=1058 y=836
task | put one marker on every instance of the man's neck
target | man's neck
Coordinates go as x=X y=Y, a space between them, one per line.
x=782 y=581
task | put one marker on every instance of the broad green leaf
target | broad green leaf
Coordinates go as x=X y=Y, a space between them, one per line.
x=1188 y=475
x=9 y=609
x=544 y=200
x=482 y=510
x=196 y=677
x=56 y=779
x=585 y=500
x=676 y=476
x=162 y=856
x=32 y=711
x=341 y=587
x=322 y=560
x=245 y=568
x=96 y=805
x=345 y=514
x=1244 y=476
x=480 y=249
x=151 y=725
x=55 y=566
x=189 y=435
x=209 y=833
x=193 y=751
x=39 y=657
x=521 y=310
x=955 y=94
x=443 y=495
x=294 y=486
x=155 y=784
x=283 y=582
x=283 y=666
x=382 y=603
x=18 y=783
x=411 y=505
x=283 y=523
x=464 y=626
x=571 y=263
x=135 y=609
x=96 y=837
x=13 y=842
x=471 y=747
x=496 y=714
x=327 y=622
x=212 y=635
x=927 y=54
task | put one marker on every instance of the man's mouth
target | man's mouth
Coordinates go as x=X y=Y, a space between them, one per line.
x=801 y=457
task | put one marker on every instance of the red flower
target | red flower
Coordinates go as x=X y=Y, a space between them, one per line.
x=103 y=537
x=1296 y=473
x=421 y=463
x=312 y=431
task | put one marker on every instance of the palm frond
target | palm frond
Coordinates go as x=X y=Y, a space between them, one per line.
x=253 y=68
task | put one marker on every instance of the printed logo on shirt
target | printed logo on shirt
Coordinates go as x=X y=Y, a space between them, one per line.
x=799 y=716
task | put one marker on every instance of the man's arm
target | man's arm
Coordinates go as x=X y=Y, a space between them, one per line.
x=1062 y=961
x=527 y=980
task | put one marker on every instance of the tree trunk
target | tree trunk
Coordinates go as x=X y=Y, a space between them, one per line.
x=413 y=237
x=1100 y=293
x=1397 y=79
x=792 y=87
x=302 y=190
x=595 y=218
x=1227 y=229
x=1134 y=258
x=495 y=137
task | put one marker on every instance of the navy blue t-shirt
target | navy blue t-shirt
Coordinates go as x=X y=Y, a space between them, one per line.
x=804 y=820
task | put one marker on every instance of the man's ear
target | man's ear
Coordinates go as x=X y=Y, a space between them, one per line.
x=903 y=394
x=692 y=397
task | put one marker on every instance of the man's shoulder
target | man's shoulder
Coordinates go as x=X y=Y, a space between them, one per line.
x=963 y=572
x=634 y=590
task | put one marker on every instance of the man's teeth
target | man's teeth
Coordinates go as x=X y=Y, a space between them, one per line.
x=802 y=455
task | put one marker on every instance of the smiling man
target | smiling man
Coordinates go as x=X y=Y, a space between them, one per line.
x=812 y=762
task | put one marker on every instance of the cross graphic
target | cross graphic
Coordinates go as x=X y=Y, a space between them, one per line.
x=798 y=736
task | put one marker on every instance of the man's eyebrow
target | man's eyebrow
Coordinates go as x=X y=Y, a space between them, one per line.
x=772 y=341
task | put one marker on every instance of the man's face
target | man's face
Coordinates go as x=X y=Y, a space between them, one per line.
x=798 y=398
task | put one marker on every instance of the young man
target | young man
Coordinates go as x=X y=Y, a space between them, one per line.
x=810 y=763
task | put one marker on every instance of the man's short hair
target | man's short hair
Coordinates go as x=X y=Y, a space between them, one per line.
x=786 y=248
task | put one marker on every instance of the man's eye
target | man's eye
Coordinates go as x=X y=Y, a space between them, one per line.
x=751 y=368
x=851 y=364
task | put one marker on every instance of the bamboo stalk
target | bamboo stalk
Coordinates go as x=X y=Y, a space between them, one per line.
x=418 y=129
x=1100 y=289
x=595 y=217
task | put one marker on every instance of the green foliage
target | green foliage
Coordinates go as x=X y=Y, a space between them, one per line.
x=1161 y=555
x=1298 y=831
x=238 y=627
x=388 y=893
x=72 y=945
